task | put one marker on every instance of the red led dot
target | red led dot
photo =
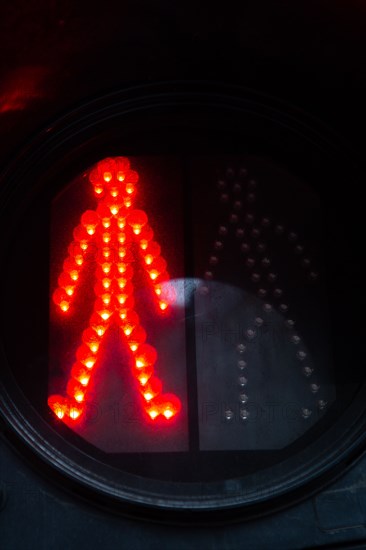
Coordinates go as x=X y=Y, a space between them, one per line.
x=61 y=299
x=66 y=283
x=70 y=265
x=85 y=356
x=152 y=388
x=98 y=324
x=91 y=339
x=80 y=373
x=128 y=320
x=146 y=235
x=143 y=375
x=58 y=404
x=105 y=272
x=81 y=234
x=90 y=220
x=75 y=411
x=136 y=338
x=153 y=249
x=127 y=303
x=102 y=309
x=76 y=390
x=146 y=355
x=137 y=219
x=157 y=268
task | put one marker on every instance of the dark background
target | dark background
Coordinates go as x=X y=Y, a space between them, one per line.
x=56 y=55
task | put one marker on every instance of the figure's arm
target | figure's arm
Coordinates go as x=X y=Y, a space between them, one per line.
x=152 y=261
x=79 y=250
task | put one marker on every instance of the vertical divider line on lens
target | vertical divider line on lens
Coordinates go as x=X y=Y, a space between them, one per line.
x=190 y=322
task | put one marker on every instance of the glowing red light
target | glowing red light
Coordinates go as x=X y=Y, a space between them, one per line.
x=114 y=252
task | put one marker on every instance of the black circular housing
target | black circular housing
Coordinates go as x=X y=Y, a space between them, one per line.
x=222 y=141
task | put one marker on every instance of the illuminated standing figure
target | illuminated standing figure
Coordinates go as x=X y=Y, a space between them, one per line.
x=114 y=236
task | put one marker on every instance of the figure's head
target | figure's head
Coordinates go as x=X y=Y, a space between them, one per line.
x=112 y=179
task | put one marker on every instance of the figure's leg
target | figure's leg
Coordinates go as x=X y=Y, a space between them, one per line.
x=73 y=405
x=144 y=358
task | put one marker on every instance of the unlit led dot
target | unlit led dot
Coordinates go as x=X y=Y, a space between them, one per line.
x=308 y=371
x=255 y=277
x=213 y=260
x=249 y=218
x=283 y=308
x=313 y=276
x=221 y=184
x=250 y=333
x=203 y=290
x=261 y=248
x=267 y=308
x=218 y=245
x=250 y=262
x=292 y=237
x=237 y=187
x=208 y=275
x=245 y=247
x=229 y=415
x=242 y=381
x=277 y=292
x=266 y=222
x=244 y=414
x=301 y=355
x=305 y=262
x=272 y=277
x=223 y=230
x=234 y=218
x=241 y=348
x=279 y=229
x=314 y=388
x=255 y=232
x=237 y=205
x=290 y=323
x=322 y=404
x=306 y=413
x=242 y=364
x=240 y=232
x=295 y=339
x=299 y=249
x=243 y=398
x=224 y=197
x=259 y=321
x=262 y=292
x=266 y=262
